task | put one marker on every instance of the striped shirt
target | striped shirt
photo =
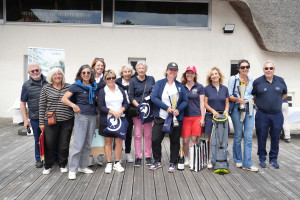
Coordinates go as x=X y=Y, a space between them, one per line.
x=49 y=100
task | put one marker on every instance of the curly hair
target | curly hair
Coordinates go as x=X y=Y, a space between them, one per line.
x=209 y=74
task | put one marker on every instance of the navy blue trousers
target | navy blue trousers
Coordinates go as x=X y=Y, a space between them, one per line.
x=36 y=133
x=265 y=122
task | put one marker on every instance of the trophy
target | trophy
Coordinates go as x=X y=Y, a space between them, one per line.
x=242 y=89
x=173 y=99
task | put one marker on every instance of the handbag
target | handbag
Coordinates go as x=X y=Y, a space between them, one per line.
x=117 y=127
x=146 y=111
x=51 y=116
x=167 y=127
x=132 y=111
x=231 y=103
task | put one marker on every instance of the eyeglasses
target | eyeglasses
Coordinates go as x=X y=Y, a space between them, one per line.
x=35 y=70
x=243 y=67
x=111 y=78
x=88 y=73
x=269 y=68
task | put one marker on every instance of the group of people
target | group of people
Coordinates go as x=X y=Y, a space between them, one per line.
x=97 y=94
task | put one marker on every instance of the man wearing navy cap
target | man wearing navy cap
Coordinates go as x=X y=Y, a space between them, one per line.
x=269 y=91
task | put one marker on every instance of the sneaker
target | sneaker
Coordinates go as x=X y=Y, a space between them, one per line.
x=274 y=163
x=252 y=169
x=209 y=165
x=155 y=165
x=39 y=164
x=138 y=162
x=85 y=170
x=238 y=165
x=186 y=162
x=118 y=167
x=63 y=169
x=129 y=158
x=46 y=171
x=262 y=164
x=287 y=140
x=148 y=161
x=72 y=175
x=91 y=161
x=99 y=160
x=108 y=168
x=172 y=168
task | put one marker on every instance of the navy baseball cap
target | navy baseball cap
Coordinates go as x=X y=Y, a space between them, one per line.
x=172 y=65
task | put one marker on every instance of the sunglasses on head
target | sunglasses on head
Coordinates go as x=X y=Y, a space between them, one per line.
x=88 y=73
x=243 y=67
x=269 y=68
x=111 y=78
x=102 y=59
x=35 y=70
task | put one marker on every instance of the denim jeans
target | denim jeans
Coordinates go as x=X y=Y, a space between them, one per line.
x=247 y=125
x=36 y=133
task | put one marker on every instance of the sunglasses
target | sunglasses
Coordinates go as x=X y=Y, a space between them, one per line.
x=243 y=67
x=111 y=78
x=102 y=59
x=88 y=73
x=35 y=70
x=269 y=68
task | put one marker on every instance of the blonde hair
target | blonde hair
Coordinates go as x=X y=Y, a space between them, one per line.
x=209 y=74
x=109 y=72
x=54 y=71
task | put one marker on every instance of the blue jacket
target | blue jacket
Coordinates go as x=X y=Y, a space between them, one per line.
x=102 y=105
x=156 y=95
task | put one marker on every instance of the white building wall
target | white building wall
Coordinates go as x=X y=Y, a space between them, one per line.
x=203 y=48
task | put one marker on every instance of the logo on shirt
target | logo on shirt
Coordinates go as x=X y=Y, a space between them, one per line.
x=179 y=89
x=194 y=91
x=277 y=88
x=265 y=89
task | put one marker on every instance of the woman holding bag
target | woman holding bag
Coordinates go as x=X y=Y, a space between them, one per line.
x=139 y=89
x=160 y=96
x=243 y=121
x=112 y=101
x=58 y=134
x=83 y=91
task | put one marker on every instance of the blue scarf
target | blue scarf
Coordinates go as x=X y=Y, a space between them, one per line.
x=88 y=88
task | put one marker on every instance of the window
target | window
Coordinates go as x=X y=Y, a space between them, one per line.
x=133 y=61
x=1 y=9
x=54 y=11
x=234 y=65
x=159 y=13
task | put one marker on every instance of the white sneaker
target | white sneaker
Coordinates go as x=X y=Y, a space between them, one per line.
x=46 y=171
x=129 y=158
x=118 y=167
x=63 y=170
x=85 y=170
x=209 y=165
x=252 y=169
x=108 y=168
x=186 y=162
x=72 y=175
x=238 y=165
x=99 y=160
x=91 y=161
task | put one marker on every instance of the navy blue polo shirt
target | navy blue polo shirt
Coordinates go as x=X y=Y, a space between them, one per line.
x=136 y=88
x=216 y=99
x=82 y=100
x=193 y=108
x=269 y=95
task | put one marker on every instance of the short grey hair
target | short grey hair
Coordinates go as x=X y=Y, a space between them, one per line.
x=142 y=62
x=33 y=64
x=127 y=66
x=269 y=61
x=54 y=71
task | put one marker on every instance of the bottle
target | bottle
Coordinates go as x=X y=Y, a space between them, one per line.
x=180 y=165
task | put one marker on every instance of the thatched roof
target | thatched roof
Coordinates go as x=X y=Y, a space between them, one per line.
x=275 y=24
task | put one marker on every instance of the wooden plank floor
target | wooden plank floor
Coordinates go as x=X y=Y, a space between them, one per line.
x=19 y=179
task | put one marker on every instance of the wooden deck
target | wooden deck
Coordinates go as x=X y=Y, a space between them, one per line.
x=19 y=179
